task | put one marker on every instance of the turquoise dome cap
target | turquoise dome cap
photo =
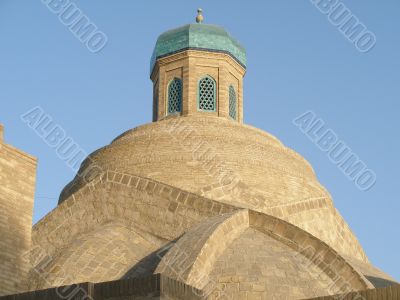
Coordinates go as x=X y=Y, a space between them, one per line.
x=198 y=36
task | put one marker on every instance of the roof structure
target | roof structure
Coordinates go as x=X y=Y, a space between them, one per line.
x=198 y=36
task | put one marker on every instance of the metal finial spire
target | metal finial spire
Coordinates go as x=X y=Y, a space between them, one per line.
x=199 y=18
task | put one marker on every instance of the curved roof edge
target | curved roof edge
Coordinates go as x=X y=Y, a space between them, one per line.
x=203 y=37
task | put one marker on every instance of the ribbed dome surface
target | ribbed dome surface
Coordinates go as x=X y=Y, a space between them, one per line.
x=201 y=154
x=227 y=162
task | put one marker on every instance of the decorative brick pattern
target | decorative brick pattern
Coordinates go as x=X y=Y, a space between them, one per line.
x=261 y=257
x=153 y=212
x=273 y=179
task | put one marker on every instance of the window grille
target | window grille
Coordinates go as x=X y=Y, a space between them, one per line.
x=175 y=96
x=207 y=91
x=232 y=102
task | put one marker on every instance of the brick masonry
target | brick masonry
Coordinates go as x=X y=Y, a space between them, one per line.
x=161 y=287
x=151 y=287
x=166 y=212
x=17 y=178
x=115 y=224
x=195 y=206
x=387 y=293
x=190 y=66
x=273 y=179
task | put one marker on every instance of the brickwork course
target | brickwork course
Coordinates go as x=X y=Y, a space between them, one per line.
x=195 y=205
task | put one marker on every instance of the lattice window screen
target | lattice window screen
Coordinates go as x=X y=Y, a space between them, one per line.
x=232 y=102
x=207 y=91
x=175 y=96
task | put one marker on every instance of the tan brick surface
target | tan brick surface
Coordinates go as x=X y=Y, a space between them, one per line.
x=273 y=178
x=17 y=187
x=191 y=66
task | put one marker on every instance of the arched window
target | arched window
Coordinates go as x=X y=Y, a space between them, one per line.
x=175 y=96
x=207 y=94
x=232 y=102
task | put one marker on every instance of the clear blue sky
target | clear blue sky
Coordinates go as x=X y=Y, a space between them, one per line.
x=297 y=61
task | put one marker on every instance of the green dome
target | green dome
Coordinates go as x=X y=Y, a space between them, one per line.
x=199 y=37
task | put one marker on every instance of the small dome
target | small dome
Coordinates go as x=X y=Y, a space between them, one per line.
x=198 y=37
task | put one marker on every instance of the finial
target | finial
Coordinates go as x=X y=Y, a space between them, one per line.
x=199 y=18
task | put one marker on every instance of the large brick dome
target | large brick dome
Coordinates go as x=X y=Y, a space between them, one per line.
x=227 y=162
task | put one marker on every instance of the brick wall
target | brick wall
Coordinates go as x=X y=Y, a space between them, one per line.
x=161 y=287
x=149 y=288
x=17 y=186
x=387 y=293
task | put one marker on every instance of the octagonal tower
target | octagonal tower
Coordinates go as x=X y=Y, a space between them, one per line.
x=198 y=69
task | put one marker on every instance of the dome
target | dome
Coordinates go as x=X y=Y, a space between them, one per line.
x=207 y=37
x=228 y=162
